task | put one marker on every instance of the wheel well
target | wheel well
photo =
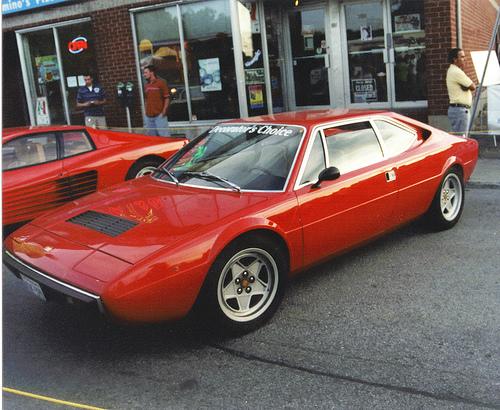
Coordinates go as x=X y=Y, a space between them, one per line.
x=459 y=169
x=273 y=236
x=149 y=158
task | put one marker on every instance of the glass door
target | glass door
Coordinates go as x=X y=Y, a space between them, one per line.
x=366 y=52
x=45 y=78
x=309 y=57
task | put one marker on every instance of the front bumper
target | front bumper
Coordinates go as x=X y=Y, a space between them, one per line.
x=52 y=287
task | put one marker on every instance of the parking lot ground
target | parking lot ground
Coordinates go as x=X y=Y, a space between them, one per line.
x=409 y=321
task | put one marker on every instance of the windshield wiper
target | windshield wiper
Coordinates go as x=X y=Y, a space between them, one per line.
x=167 y=172
x=214 y=178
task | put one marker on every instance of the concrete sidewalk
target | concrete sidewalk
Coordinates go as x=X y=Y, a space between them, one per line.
x=486 y=174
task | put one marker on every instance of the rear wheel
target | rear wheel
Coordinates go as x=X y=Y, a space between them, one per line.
x=245 y=284
x=448 y=203
x=144 y=167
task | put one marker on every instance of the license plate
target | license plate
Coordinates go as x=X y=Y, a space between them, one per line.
x=34 y=287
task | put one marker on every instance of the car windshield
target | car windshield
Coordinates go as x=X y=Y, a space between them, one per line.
x=237 y=156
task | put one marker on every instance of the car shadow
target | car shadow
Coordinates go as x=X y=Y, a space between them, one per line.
x=75 y=330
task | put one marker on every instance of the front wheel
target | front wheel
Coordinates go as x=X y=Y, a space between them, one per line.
x=448 y=202
x=245 y=285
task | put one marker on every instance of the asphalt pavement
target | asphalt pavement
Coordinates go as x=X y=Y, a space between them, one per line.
x=409 y=321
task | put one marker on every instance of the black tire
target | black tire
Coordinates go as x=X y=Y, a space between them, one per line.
x=244 y=286
x=143 y=167
x=448 y=202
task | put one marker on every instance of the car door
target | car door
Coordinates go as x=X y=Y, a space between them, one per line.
x=31 y=167
x=414 y=169
x=80 y=174
x=356 y=206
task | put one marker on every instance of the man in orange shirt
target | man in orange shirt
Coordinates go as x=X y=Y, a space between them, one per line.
x=157 y=98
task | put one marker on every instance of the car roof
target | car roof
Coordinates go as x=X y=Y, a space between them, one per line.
x=310 y=117
x=10 y=133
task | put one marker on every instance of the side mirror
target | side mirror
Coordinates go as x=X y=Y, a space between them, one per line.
x=328 y=174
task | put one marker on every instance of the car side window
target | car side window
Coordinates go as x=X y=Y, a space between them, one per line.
x=75 y=142
x=396 y=139
x=352 y=146
x=315 y=163
x=29 y=150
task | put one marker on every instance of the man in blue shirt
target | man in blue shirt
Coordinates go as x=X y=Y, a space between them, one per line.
x=92 y=98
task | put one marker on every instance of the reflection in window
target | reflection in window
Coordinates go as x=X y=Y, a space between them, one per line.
x=409 y=48
x=366 y=43
x=352 y=146
x=75 y=142
x=396 y=139
x=210 y=60
x=159 y=45
x=315 y=163
x=30 y=150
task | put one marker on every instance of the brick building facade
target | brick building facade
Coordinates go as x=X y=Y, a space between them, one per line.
x=114 y=24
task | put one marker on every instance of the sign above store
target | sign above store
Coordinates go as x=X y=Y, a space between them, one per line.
x=77 y=45
x=15 y=6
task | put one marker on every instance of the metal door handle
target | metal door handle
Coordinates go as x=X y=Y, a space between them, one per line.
x=390 y=175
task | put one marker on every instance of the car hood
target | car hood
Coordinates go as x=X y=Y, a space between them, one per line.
x=130 y=221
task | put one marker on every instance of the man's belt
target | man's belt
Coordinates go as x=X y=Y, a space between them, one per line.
x=460 y=105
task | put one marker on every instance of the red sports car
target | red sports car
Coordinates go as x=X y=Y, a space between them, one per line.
x=44 y=167
x=223 y=224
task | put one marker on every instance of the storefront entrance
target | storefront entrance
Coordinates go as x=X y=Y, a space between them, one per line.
x=54 y=61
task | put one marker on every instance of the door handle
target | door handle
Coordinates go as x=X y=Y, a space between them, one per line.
x=390 y=175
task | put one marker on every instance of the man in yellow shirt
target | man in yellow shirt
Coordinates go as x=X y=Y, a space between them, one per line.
x=460 y=89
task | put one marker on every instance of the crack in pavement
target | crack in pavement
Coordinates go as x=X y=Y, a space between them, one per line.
x=401 y=389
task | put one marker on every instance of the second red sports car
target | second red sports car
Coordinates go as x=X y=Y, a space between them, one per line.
x=44 y=167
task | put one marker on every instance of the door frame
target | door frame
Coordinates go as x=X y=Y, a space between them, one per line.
x=389 y=60
x=28 y=79
x=288 y=72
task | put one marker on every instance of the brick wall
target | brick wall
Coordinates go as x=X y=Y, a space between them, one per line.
x=478 y=19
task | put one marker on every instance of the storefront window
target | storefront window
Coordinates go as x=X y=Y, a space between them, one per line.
x=366 y=45
x=210 y=60
x=409 y=47
x=208 y=48
x=44 y=73
x=253 y=59
x=78 y=59
x=159 y=45
x=308 y=44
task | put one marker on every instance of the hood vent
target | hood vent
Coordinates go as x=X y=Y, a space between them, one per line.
x=107 y=224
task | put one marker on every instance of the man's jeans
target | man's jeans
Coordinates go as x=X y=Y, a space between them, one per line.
x=157 y=126
x=459 y=119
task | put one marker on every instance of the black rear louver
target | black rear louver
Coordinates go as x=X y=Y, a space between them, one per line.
x=107 y=224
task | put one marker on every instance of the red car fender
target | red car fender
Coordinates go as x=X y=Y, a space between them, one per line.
x=292 y=240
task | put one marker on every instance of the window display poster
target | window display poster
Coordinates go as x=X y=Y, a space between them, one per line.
x=254 y=76
x=42 y=111
x=366 y=33
x=47 y=67
x=210 y=74
x=407 y=22
x=256 y=94
x=365 y=90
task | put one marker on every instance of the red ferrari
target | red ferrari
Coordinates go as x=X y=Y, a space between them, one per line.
x=44 y=167
x=222 y=225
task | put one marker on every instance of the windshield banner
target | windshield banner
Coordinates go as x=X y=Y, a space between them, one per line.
x=254 y=129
